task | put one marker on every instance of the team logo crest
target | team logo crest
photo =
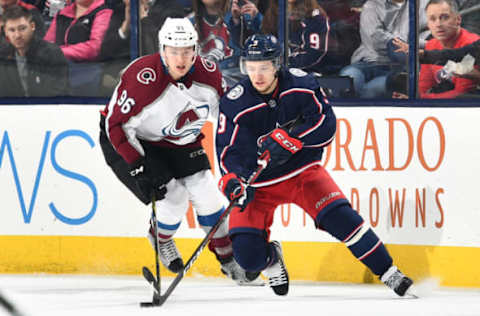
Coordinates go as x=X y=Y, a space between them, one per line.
x=146 y=75
x=235 y=93
x=188 y=122
x=209 y=66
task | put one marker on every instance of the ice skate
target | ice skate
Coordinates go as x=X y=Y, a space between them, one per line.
x=168 y=254
x=398 y=282
x=234 y=271
x=277 y=273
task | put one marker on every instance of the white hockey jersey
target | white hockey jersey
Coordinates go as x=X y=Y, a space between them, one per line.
x=149 y=105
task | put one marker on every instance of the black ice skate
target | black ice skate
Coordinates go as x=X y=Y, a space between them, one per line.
x=277 y=273
x=398 y=282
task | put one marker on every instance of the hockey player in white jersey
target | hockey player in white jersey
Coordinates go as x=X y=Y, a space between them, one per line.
x=151 y=138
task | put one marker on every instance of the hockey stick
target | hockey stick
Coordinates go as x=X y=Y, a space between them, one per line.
x=147 y=274
x=262 y=164
x=9 y=306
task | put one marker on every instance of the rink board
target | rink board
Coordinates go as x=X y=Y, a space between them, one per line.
x=411 y=172
x=315 y=261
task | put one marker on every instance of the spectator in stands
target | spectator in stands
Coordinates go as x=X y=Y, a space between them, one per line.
x=444 y=23
x=244 y=20
x=79 y=29
x=381 y=22
x=213 y=35
x=36 y=15
x=29 y=66
x=344 y=39
x=308 y=33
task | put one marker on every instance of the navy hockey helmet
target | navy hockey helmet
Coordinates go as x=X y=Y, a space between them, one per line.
x=261 y=47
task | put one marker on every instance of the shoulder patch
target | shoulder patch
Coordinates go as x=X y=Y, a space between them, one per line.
x=297 y=72
x=146 y=75
x=235 y=93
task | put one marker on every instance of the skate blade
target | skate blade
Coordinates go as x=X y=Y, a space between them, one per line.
x=256 y=282
x=412 y=292
x=253 y=283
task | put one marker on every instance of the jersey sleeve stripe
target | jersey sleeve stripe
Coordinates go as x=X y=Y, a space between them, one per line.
x=308 y=131
x=326 y=143
x=224 y=151
x=251 y=109
x=284 y=93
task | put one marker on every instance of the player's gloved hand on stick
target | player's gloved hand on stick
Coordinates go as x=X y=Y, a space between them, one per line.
x=235 y=190
x=280 y=147
x=146 y=181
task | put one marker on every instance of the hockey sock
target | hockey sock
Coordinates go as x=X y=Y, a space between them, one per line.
x=221 y=247
x=165 y=232
x=348 y=226
x=251 y=251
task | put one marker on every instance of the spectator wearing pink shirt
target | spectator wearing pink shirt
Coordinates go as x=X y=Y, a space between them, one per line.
x=79 y=29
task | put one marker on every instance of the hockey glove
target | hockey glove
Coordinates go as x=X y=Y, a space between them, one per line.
x=280 y=147
x=146 y=181
x=235 y=190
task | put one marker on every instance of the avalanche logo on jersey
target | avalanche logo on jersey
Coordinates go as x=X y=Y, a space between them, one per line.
x=188 y=122
x=146 y=75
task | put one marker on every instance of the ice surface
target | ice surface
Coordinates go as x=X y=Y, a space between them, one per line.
x=52 y=295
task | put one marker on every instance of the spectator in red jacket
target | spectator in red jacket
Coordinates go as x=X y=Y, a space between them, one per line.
x=443 y=20
x=79 y=29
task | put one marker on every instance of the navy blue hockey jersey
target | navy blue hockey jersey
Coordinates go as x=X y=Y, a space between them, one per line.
x=247 y=116
x=309 y=44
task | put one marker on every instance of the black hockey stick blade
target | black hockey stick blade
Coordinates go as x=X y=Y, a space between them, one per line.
x=155 y=301
x=148 y=275
x=9 y=306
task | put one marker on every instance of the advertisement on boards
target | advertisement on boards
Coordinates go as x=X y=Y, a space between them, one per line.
x=410 y=172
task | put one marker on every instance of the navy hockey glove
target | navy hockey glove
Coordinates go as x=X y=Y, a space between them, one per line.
x=280 y=147
x=235 y=190
x=146 y=181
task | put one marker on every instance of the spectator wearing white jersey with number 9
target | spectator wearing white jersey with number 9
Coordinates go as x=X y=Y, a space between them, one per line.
x=151 y=138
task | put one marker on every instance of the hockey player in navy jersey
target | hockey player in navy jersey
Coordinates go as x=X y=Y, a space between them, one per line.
x=283 y=114
x=150 y=136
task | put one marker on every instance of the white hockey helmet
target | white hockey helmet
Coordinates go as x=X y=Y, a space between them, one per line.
x=177 y=32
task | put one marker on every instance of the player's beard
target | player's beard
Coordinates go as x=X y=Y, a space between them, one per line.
x=268 y=89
